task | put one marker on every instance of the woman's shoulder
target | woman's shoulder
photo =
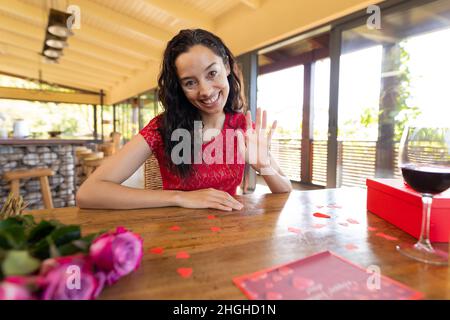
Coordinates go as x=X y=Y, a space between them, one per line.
x=154 y=124
x=151 y=131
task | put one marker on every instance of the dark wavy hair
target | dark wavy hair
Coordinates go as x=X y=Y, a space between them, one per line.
x=178 y=112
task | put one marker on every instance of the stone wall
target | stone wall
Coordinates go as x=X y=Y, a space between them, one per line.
x=59 y=158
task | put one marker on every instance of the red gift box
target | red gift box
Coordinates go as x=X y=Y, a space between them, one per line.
x=397 y=203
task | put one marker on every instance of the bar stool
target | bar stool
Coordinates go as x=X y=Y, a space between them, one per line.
x=90 y=164
x=41 y=173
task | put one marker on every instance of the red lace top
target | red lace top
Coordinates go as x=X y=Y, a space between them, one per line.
x=217 y=174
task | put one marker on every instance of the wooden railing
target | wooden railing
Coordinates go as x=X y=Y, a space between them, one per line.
x=287 y=152
x=356 y=160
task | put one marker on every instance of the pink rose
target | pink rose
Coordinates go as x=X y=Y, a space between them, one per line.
x=117 y=254
x=13 y=291
x=70 y=278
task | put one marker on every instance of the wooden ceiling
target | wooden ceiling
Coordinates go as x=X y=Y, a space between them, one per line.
x=122 y=40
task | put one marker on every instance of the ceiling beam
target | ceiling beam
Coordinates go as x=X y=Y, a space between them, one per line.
x=83 y=61
x=254 y=4
x=48 y=96
x=98 y=37
x=50 y=79
x=185 y=12
x=21 y=63
x=11 y=24
x=303 y=58
x=125 y=21
x=68 y=66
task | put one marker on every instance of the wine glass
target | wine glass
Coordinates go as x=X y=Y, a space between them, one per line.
x=424 y=160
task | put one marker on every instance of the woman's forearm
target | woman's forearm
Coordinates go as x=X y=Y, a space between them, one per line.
x=109 y=195
x=276 y=182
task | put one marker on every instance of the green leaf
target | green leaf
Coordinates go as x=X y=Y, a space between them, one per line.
x=65 y=234
x=43 y=229
x=8 y=223
x=19 y=262
x=14 y=236
x=58 y=237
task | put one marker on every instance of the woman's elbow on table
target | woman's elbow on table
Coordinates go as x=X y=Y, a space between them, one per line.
x=84 y=197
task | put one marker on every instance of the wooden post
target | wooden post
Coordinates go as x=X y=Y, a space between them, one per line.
x=46 y=193
x=307 y=124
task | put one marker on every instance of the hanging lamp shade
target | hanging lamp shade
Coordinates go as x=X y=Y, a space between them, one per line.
x=55 y=42
x=57 y=23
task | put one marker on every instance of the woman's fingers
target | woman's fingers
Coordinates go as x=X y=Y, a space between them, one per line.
x=219 y=206
x=272 y=131
x=258 y=120
x=225 y=199
x=248 y=118
x=264 y=121
x=241 y=146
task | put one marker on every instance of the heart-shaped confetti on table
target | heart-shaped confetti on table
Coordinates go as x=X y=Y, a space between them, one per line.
x=386 y=236
x=352 y=221
x=157 y=250
x=321 y=215
x=185 y=272
x=175 y=228
x=215 y=229
x=294 y=230
x=182 y=255
x=372 y=228
x=319 y=225
x=274 y=295
x=211 y=217
x=351 y=246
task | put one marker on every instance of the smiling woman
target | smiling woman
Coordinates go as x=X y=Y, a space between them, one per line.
x=200 y=89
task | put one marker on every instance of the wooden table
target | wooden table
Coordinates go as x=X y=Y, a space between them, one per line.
x=252 y=239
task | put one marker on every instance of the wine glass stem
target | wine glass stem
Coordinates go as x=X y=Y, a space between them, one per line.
x=424 y=239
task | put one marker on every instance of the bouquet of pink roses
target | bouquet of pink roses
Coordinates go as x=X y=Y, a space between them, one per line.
x=50 y=260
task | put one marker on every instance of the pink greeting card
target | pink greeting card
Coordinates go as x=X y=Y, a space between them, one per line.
x=323 y=276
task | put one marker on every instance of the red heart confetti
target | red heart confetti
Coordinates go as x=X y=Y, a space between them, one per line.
x=351 y=246
x=294 y=230
x=386 y=236
x=157 y=250
x=372 y=228
x=318 y=225
x=182 y=255
x=215 y=229
x=321 y=215
x=274 y=295
x=185 y=272
x=211 y=217
x=352 y=221
x=301 y=283
x=175 y=228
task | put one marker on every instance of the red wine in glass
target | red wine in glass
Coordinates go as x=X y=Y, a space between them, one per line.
x=424 y=159
x=426 y=179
